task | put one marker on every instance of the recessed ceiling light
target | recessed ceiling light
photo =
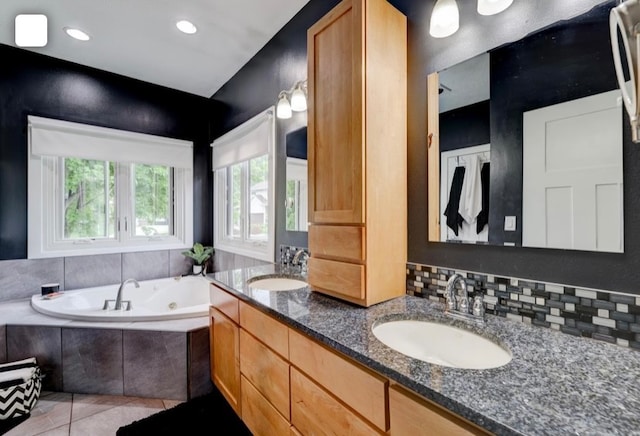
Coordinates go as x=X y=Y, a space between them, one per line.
x=77 y=34
x=186 y=26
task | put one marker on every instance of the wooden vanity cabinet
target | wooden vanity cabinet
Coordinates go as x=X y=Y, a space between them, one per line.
x=357 y=152
x=224 y=336
x=413 y=415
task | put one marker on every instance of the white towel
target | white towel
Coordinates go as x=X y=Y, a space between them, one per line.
x=471 y=197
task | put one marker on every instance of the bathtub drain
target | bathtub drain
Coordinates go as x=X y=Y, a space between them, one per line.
x=173 y=305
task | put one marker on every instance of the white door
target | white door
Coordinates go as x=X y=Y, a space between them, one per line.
x=572 y=175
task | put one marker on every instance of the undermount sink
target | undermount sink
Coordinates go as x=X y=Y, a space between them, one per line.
x=441 y=344
x=276 y=283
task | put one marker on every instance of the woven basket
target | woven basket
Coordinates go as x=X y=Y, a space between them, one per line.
x=18 y=397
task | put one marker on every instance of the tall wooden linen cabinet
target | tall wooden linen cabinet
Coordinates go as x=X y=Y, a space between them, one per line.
x=357 y=152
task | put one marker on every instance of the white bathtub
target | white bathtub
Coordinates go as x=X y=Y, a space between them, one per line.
x=154 y=300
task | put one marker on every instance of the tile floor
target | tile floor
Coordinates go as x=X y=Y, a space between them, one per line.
x=59 y=413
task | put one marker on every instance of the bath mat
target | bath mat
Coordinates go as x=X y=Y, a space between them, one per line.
x=209 y=414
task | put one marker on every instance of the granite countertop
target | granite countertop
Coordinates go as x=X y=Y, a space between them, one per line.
x=555 y=384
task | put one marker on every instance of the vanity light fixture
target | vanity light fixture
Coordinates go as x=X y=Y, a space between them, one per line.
x=295 y=99
x=77 y=34
x=283 y=108
x=299 y=97
x=445 y=19
x=186 y=27
x=492 y=7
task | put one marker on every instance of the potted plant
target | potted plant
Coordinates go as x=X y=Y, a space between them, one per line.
x=200 y=254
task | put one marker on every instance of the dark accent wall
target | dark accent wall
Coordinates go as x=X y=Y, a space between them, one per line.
x=296 y=143
x=282 y=62
x=465 y=126
x=31 y=83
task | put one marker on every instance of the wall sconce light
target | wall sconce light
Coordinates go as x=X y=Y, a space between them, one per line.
x=298 y=102
x=445 y=19
x=492 y=7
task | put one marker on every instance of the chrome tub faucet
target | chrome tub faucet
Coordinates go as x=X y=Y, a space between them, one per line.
x=118 y=301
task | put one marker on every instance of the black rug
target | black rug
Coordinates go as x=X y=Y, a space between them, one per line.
x=206 y=415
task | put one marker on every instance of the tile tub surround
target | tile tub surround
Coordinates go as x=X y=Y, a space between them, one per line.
x=555 y=384
x=167 y=359
x=591 y=313
x=23 y=278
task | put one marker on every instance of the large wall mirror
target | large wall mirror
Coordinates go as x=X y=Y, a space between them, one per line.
x=296 y=204
x=528 y=142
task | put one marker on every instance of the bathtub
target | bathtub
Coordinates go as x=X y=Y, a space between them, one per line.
x=154 y=300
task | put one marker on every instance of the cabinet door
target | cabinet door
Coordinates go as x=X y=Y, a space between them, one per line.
x=225 y=357
x=412 y=415
x=335 y=118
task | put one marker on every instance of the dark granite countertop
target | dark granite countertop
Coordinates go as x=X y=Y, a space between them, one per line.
x=555 y=384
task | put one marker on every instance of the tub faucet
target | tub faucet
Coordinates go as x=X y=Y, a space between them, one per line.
x=457 y=306
x=118 y=301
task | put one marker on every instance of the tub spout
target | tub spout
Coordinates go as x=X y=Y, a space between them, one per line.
x=118 y=301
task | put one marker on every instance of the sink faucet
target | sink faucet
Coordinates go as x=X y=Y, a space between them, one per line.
x=300 y=259
x=457 y=306
x=118 y=301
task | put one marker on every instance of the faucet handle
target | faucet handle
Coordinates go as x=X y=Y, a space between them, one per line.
x=450 y=300
x=478 y=305
x=463 y=304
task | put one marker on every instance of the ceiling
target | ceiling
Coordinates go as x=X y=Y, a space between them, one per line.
x=139 y=39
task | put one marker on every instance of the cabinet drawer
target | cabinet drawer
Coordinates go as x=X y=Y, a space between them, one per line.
x=266 y=371
x=314 y=411
x=340 y=242
x=413 y=415
x=259 y=415
x=340 y=277
x=361 y=389
x=271 y=332
x=225 y=303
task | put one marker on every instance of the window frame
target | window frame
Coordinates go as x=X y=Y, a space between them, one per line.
x=262 y=250
x=46 y=236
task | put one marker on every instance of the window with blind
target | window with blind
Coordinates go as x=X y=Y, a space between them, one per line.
x=97 y=190
x=244 y=184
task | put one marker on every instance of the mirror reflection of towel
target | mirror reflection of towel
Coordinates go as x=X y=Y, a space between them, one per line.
x=454 y=219
x=483 y=216
x=471 y=198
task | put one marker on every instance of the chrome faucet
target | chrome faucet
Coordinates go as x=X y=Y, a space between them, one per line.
x=300 y=259
x=118 y=301
x=457 y=306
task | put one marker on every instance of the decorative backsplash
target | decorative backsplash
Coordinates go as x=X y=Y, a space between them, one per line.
x=597 y=314
x=288 y=252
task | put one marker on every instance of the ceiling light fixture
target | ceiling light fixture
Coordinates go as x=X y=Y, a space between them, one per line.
x=445 y=19
x=77 y=34
x=283 y=108
x=31 y=30
x=492 y=7
x=186 y=26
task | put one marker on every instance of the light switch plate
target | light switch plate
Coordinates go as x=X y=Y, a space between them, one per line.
x=509 y=223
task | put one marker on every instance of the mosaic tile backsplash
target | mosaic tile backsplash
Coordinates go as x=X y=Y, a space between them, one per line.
x=596 y=314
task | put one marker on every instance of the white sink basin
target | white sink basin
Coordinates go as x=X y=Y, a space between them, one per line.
x=277 y=284
x=441 y=344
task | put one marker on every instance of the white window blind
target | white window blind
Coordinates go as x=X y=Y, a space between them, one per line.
x=251 y=139
x=50 y=137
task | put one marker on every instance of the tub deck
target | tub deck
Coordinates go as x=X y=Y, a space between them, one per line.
x=152 y=359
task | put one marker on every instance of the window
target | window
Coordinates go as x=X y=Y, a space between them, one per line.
x=96 y=190
x=243 y=194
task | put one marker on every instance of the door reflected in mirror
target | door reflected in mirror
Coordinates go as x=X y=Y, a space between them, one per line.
x=296 y=203
x=530 y=141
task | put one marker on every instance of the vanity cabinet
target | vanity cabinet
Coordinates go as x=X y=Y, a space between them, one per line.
x=357 y=152
x=225 y=356
x=411 y=414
